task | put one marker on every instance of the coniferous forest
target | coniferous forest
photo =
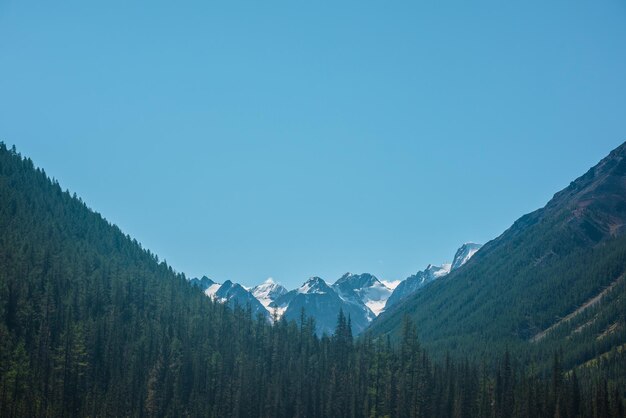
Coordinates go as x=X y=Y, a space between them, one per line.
x=92 y=324
x=553 y=282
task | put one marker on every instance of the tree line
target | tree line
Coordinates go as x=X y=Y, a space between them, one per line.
x=93 y=325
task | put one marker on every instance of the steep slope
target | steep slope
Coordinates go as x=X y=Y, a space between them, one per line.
x=544 y=268
x=413 y=283
x=464 y=254
x=91 y=324
x=267 y=292
x=363 y=289
x=202 y=283
x=321 y=302
x=233 y=294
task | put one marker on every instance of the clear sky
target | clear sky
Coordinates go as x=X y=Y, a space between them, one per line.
x=244 y=140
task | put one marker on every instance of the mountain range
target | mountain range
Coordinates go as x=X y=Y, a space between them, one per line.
x=92 y=324
x=553 y=280
x=361 y=297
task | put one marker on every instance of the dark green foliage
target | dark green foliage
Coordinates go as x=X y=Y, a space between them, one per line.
x=514 y=293
x=93 y=325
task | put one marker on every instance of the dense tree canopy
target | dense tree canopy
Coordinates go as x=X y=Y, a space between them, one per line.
x=532 y=289
x=91 y=324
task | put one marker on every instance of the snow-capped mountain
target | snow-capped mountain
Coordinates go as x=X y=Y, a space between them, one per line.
x=322 y=302
x=230 y=293
x=365 y=289
x=362 y=297
x=415 y=282
x=464 y=253
x=420 y=279
x=202 y=283
x=314 y=285
x=234 y=293
x=212 y=290
x=267 y=292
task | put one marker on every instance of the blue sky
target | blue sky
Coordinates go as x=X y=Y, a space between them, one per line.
x=244 y=140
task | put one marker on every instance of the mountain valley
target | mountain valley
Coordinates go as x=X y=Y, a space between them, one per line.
x=532 y=324
x=361 y=297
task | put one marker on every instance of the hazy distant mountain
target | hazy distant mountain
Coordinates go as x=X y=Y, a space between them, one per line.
x=363 y=289
x=354 y=294
x=203 y=283
x=231 y=293
x=361 y=296
x=464 y=253
x=267 y=292
x=322 y=302
x=415 y=282
x=420 y=279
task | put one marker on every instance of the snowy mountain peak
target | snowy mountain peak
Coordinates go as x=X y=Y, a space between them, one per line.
x=230 y=293
x=268 y=291
x=315 y=285
x=356 y=281
x=363 y=296
x=363 y=289
x=464 y=253
x=420 y=279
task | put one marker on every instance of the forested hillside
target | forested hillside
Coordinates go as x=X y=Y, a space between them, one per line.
x=554 y=280
x=91 y=324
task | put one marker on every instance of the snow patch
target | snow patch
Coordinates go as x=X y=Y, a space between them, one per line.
x=314 y=285
x=376 y=306
x=267 y=292
x=443 y=270
x=212 y=290
x=391 y=284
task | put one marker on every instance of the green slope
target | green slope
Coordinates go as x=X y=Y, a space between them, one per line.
x=93 y=325
x=545 y=267
x=87 y=315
